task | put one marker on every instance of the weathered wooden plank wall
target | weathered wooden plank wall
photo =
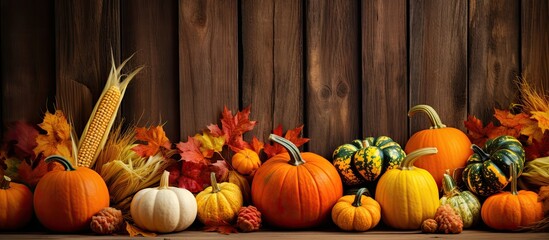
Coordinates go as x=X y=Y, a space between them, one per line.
x=345 y=69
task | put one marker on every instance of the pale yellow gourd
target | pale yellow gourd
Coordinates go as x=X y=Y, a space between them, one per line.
x=408 y=195
x=219 y=203
x=164 y=209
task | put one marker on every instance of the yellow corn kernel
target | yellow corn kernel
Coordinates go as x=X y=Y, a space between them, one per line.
x=99 y=126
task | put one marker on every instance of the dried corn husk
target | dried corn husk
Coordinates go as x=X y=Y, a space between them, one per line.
x=125 y=172
x=535 y=174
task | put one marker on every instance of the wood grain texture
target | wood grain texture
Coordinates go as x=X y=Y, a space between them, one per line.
x=272 y=63
x=332 y=105
x=208 y=62
x=150 y=31
x=28 y=85
x=438 y=60
x=85 y=33
x=384 y=70
x=494 y=52
x=535 y=42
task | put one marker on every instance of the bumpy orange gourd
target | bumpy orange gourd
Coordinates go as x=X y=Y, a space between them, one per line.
x=408 y=195
x=512 y=210
x=454 y=147
x=246 y=161
x=295 y=190
x=356 y=212
x=66 y=201
x=16 y=204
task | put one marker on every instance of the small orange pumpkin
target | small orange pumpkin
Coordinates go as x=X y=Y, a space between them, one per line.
x=66 y=201
x=295 y=190
x=16 y=204
x=246 y=161
x=512 y=210
x=454 y=147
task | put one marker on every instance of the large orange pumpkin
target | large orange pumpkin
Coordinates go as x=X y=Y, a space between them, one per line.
x=512 y=210
x=454 y=147
x=65 y=201
x=16 y=204
x=295 y=190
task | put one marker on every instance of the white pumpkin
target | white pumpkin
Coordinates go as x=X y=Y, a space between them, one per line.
x=164 y=209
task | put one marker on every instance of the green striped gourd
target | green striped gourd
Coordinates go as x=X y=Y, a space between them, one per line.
x=365 y=160
x=487 y=169
x=465 y=203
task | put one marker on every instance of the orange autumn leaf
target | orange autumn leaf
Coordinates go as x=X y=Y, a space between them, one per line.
x=516 y=121
x=190 y=151
x=32 y=174
x=220 y=227
x=134 y=231
x=257 y=145
x=153 y=140
x=235 y=126
x=542 y=118
x=292 y=135
x=57 y=140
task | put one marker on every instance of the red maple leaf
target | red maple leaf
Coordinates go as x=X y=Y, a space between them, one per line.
x=154 y=140
x=235 y=126
x=220 y=227
x=190 y=151
x=32 y=174
x=257 y=145
x=20 y=139
x=538 y=149
x=292 y=135
x=479 y=134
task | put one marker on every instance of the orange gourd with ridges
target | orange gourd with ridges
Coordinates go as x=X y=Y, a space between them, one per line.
x=16 y=204
x=454 y=147
x=296 y=190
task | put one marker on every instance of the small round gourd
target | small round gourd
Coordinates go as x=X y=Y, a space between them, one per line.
x=219 y=203
x=246 y=161
x=464 y=203
x=357 y=212
x=511 y=210
x=408 y=195
x=487 y=170
x=365 y=160
x=164 y=209
x=66 y=200
x=16 y=204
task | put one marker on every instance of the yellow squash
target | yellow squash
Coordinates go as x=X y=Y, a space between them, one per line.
x=356 y=212
x=219 y=203
x=408 y=195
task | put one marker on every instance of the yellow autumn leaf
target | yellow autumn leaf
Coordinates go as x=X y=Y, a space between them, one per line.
x=533 y=131
x=210 y=144
x=543 y=119
x=57 y=140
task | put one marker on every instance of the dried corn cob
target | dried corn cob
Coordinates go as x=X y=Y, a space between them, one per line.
x=103 y=115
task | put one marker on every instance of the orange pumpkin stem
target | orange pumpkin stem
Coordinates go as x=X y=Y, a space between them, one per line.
x=358 y=197
x=431 y=113
x=60 y=159
x=5 y=182
x=408 y=162
x=513 y=174
x=215 y=187
x=164 y=180
x=293 y=151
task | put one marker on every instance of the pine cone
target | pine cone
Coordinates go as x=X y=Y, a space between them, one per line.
x=429 y=226
x=448 y=220
x=107 y=221
x=249 y=219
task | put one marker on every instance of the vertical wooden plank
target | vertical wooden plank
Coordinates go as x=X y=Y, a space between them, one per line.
x=208 y=62
x=150 y=31
x=493 y=56
x=27 y=46
x=86 y=31
x=535 y=42
x=384 y=75
x=272 y=67
x=333 y=71
x=438 y=60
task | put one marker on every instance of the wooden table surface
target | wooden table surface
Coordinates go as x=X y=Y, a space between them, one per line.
x=313 y=234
